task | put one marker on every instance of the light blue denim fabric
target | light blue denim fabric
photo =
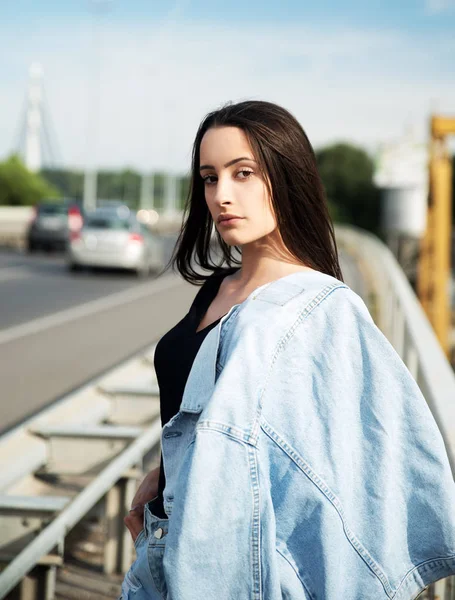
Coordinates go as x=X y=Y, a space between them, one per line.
x=145 y=579
x=304 y=463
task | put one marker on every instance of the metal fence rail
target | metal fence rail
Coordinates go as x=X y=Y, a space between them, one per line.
x=401 y=318
x=88 y=449
x=54 y=534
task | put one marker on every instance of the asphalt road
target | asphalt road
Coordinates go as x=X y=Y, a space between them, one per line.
x=59 y=330
x=32 y=286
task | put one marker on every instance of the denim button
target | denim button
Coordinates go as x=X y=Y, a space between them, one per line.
x=158 y=533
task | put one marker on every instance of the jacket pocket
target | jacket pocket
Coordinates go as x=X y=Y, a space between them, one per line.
x=140 y=538
x=155 y=559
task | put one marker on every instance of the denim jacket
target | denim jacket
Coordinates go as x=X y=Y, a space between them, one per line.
x=304 y=463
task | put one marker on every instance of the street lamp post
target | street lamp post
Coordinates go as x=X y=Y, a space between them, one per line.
x=98 y=8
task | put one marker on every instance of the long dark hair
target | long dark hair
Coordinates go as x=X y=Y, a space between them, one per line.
x=286 y=159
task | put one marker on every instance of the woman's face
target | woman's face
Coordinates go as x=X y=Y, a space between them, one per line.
x=233 y=185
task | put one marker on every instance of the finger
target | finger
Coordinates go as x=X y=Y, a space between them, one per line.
x=137 y=510
x=135 y=519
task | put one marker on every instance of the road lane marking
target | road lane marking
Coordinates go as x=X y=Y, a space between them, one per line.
x=89 y=308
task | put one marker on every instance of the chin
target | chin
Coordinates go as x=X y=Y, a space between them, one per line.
x=237 y=237
x=233 y=240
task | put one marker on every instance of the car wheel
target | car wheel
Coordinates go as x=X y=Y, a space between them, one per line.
x=31 y=247
x=74 y=267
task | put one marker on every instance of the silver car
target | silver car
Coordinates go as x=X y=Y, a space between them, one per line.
x=114 y=238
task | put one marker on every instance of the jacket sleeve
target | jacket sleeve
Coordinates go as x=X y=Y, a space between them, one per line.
x=210 y=545
x=370 y=473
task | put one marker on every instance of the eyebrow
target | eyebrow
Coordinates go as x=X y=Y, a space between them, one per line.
x=228 y=164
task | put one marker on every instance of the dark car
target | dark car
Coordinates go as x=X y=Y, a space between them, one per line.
x=52 y=225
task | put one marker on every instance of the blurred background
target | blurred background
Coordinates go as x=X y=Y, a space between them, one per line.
x=100 y=101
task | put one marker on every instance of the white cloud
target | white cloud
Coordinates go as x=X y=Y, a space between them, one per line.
x=155 y=88
x=435 y=7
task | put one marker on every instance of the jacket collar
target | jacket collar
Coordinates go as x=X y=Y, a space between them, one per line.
x=201 y=380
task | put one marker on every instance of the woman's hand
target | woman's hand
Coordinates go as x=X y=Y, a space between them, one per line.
x=146 y=491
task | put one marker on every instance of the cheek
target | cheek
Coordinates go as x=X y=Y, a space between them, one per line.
x=268 y=220
x=262 y=204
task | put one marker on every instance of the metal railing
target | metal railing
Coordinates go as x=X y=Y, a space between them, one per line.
x=399 y=315
x=54 y=534
x=100 y=433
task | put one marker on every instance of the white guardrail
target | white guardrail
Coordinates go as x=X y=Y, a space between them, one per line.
x=399 y=315
x=84 y=453
x=14 y=221
x=97 y=437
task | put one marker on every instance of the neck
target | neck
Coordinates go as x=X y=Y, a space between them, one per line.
x=263 y=261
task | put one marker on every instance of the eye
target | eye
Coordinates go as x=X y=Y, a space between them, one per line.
x=209 y=179
x=245 y=172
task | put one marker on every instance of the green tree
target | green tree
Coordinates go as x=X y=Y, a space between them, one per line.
x=70 y=183
x=347 y=174
x=20 y=187
x=122 y=185
x=184 y=187
x=159 y=189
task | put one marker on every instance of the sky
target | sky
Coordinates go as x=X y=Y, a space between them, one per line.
x=126 y=84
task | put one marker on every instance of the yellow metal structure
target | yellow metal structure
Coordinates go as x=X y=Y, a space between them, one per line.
x=433 y=285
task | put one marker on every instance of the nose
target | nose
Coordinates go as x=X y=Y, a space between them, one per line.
x=223 y=192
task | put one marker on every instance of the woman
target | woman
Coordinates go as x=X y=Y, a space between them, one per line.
x=299 y=458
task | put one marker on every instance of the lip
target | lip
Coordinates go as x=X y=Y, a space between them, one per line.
x=230 y=221
x=228 y=217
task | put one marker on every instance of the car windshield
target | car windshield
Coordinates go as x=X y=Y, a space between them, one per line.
x=105 y=222
x=52 y=209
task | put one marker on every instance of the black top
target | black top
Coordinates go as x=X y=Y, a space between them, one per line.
x=174 y=357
